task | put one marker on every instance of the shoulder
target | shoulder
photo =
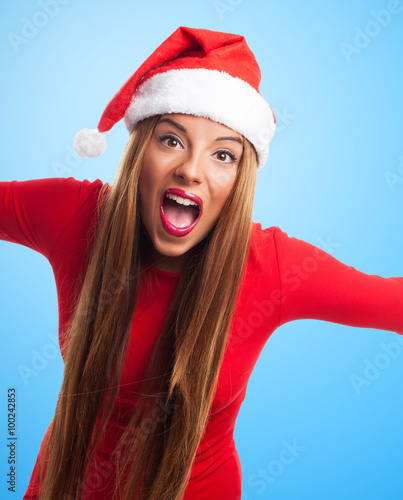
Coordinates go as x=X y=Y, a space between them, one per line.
x=70 y=187
x=68 y=195
x=265 y=240
x=264 y=250
x=51 y=190
x=274 y=243
x=35 y=213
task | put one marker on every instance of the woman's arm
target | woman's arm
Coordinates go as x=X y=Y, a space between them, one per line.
x=34 y=213
x=315 y=285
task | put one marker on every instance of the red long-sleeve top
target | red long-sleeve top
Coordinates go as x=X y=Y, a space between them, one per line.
x=285 y=279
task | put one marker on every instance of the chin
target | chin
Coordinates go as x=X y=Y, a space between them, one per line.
x=174 y=250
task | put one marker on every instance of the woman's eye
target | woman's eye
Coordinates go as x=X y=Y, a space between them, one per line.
x=170 y=141
x=225 y=156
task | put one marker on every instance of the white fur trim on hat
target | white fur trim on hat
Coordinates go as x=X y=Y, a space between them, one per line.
x=208 y=93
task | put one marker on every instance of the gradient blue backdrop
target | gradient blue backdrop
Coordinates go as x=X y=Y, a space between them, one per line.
x=339 y=138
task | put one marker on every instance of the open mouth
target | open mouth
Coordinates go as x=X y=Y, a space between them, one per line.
x=180 y=212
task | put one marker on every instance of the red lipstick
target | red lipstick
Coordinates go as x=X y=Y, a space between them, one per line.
x=171 y=228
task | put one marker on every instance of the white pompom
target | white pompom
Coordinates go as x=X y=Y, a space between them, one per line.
x=89 y=143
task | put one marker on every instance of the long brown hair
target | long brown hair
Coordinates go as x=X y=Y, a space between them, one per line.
x=156 y=464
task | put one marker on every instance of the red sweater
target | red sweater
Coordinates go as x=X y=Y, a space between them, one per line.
x=286 y=279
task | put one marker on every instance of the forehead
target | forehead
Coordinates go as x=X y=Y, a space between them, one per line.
x=191 y=122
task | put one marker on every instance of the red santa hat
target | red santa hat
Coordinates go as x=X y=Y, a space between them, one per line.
x=197 y=72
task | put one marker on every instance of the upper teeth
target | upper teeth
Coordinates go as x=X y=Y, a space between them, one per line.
x=182 y=201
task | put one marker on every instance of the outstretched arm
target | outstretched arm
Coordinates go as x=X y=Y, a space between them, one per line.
x=315 y=285
x=34 y=213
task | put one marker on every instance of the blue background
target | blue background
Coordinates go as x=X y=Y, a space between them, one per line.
x=339 y=137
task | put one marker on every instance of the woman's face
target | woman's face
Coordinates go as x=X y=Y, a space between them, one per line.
x=188 y=171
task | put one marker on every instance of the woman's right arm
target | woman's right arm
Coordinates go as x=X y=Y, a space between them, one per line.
x=34 y=213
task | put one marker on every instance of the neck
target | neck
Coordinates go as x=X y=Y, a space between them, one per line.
x=169 y=264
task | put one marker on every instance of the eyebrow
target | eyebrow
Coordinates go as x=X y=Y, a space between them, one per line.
x=176 y=124
x=237 y=139
x=183 y=129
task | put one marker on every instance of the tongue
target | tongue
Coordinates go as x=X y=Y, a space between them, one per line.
x=180 y=215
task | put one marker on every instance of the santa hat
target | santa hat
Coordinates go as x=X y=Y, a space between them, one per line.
x=196 y=72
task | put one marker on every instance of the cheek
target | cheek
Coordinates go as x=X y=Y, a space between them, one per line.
x=145 y=192
x=222 y=180
x=147 y=180
x=221 y=186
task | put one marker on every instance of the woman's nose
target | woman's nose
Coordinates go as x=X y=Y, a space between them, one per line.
x=191 y=169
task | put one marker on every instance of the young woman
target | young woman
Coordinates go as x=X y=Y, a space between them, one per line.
x=167 y=290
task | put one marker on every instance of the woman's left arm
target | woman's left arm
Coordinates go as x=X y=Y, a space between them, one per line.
x=315 y=285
